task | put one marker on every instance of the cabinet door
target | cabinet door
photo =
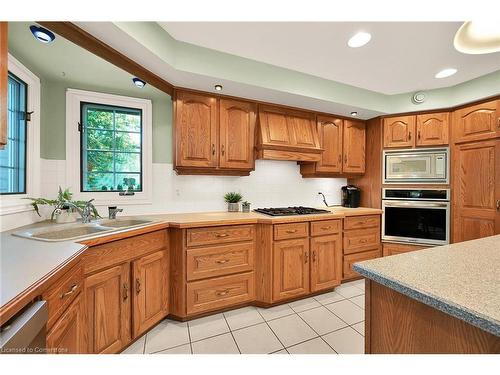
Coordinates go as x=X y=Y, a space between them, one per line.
x=481 y=121
x=108 y=309
x=433 y=129
x=330 y=139
x=303 y=130
x=67 y=336
x=274 y=127
x=290 y=268
x=237 y=129
x=195 y=130
x=3 y=83
x=354 y=146
x=150 y=285
x=476 y=187
x=399 y=131
x=326 y=262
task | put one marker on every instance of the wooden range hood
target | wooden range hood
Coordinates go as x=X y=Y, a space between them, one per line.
x=284 y=134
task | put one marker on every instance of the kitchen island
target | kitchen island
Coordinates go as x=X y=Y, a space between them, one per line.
x=440 y=300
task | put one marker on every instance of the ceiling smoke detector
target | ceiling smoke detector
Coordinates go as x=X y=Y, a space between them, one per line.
x=418 y=97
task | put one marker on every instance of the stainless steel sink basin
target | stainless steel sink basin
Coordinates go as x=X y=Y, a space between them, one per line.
x=123 y=223
x=68 y=233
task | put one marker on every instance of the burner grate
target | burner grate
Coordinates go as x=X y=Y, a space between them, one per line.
x=287 y=211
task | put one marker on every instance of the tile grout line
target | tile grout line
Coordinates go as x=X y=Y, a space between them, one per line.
x=317 y=333
x=172 y=347
x=231 y=332
x=189 y=337
x=277 y=338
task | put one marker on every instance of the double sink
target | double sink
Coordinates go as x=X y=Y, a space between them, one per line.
x=67 y=232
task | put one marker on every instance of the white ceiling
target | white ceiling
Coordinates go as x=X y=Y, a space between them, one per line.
x=401 y=57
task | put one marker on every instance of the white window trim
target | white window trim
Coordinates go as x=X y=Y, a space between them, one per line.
x=73 y=154
x=14 y=203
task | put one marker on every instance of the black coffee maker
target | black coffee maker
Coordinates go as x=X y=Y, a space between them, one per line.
x=350 y=196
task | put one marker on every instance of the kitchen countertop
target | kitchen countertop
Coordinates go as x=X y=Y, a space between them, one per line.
x=24 y=262
x=462 y=279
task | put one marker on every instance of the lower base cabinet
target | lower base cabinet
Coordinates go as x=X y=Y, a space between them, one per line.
x=398 y=248
x=67 y=336
x=108 y=309
x=326 y=262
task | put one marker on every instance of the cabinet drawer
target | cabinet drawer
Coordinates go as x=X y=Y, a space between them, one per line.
x=358 y=222
x=60 y=295
x=350 y=259
x=320 y=228
x=220 y=292
x=215 y=235
x=294 y=230
x=356 y=241
x=397 y=248
x=113 y=253
x=219 y=260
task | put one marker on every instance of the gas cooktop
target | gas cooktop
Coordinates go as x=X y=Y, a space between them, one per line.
x=286 y=211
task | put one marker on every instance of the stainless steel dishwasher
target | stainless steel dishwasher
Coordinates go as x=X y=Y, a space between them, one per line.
x=26 y=332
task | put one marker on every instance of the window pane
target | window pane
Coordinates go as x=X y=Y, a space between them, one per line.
x=111 y=148
x=128 y=141
x=13 y=156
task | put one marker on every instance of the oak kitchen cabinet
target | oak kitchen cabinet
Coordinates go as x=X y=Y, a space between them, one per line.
x=343 y=143
x=126 y=289
x=213 y=135
x=477 y=122
x=3 y=83
x=390 y=248
x=431 y=129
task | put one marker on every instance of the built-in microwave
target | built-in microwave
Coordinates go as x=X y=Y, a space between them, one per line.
x=421 y=166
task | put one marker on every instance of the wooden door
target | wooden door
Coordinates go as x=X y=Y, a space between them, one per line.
x=67 y=336
x=476 y=187
x=108 y=309
x=433 y=129
x=477 y=122
x=150 y=286
x=330 y=140
x=326 y=262
x=354 y=141
x=290 y=268
x=399 y=131
x=237 y=130
x=195 y=130
x=3 y=82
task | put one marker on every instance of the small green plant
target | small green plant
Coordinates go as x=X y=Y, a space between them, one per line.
x=63 y=197
x=246 y=203
x=232 y=197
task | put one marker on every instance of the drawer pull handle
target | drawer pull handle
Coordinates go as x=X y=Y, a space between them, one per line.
x=125 y=291
x=222 y=293
x=363 y=240
x=314 y=256
x=306 y=257
x=290 y=231
x=137 y=285
x=72 y=290
x=326 y=228
x=220 y=235
x=222 y=261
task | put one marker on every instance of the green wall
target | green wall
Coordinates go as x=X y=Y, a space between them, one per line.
x=53 y=119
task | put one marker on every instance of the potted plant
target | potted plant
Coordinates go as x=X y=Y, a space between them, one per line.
x=232 y=199
x=63 y=212
x=245 y=206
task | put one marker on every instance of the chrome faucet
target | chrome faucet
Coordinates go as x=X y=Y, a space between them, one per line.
x=85 y=212
x=113 y=210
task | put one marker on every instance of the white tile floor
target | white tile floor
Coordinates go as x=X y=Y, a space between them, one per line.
x=329 y=323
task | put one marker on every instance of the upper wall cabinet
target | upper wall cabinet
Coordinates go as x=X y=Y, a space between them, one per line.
x=430 y=129
x=287 y=135
x=213 y=136
x=478 y=122
x=343 y=144
x=3 y=84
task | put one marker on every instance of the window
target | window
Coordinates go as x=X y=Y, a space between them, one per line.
x=13 y=156
x=111 y=148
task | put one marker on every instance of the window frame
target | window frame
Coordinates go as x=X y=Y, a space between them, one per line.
x=74 y=100
x=15 y=203
x=141 y=172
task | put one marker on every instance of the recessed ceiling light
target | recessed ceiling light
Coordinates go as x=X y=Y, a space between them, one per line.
x=359 y=39
x=354 y=113
x=138 y=82
x=445 y=73
x=218 y=87
x=42 y=34
x=477 y=37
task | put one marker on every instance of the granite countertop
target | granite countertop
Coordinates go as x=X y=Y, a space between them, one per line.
x=462 y=279
x=24 y=261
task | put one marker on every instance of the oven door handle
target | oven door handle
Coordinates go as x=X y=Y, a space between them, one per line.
x=416 y=204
